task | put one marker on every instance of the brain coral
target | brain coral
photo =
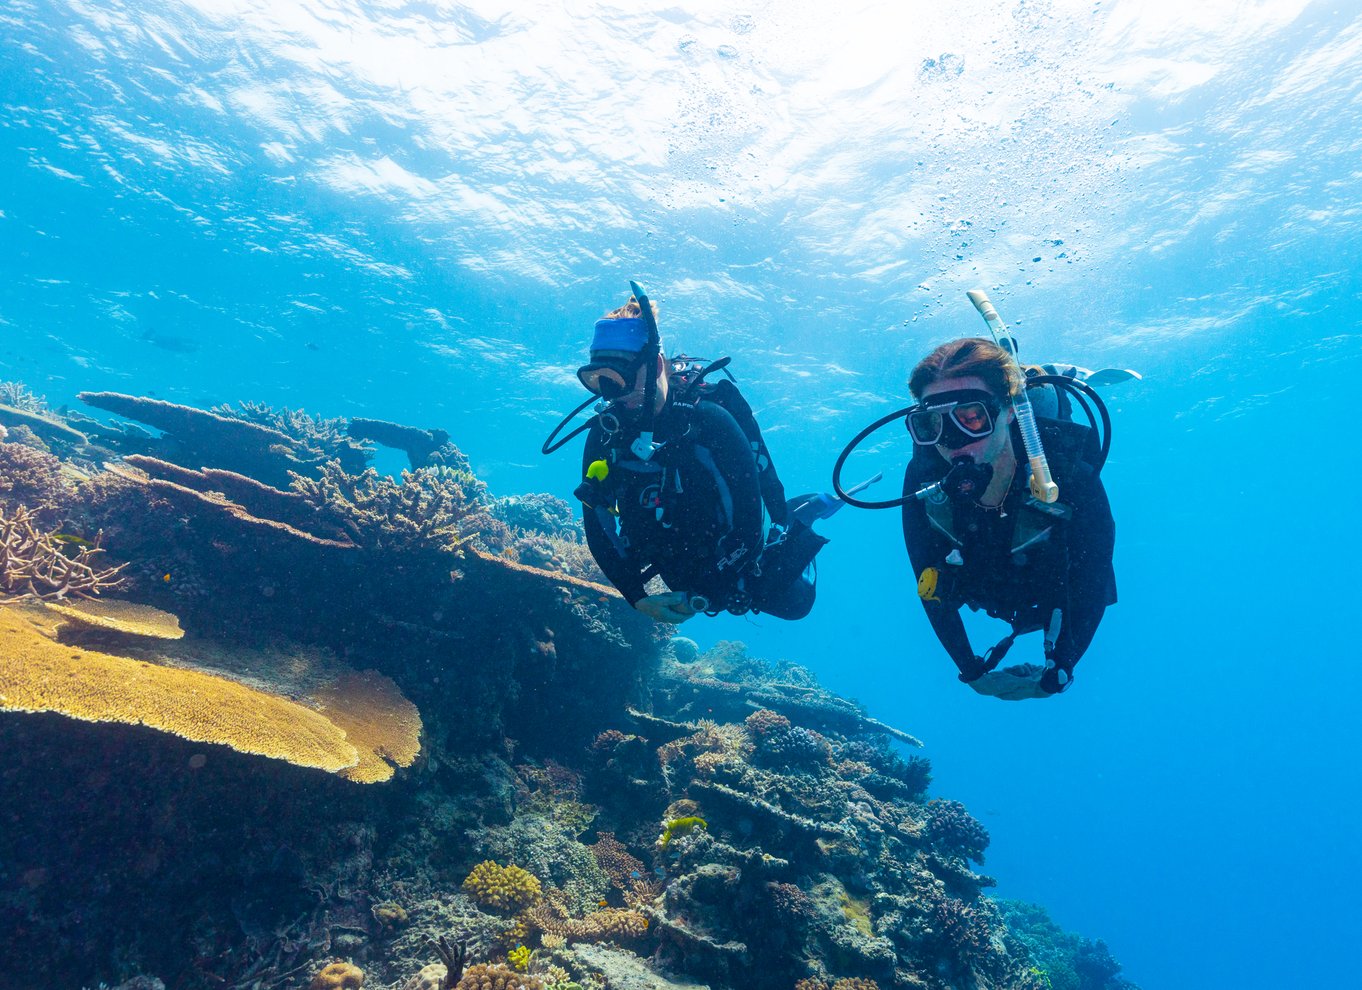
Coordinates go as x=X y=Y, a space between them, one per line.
x=380 y=723
x=488 y=977
x=506 y=888
x=39 y=675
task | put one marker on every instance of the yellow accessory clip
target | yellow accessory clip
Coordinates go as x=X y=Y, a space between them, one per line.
x=597 y=470
x=926 y=584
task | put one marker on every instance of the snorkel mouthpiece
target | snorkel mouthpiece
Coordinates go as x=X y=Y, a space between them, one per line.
x=1043 y=487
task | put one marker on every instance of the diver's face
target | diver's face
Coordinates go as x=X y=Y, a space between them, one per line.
x=634 y=399
x=984 y=450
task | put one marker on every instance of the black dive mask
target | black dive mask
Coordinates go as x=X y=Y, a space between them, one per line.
x=953 y=419
x=967 y=480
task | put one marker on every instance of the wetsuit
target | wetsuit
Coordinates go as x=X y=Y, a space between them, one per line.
x=1065 y=564
x=692 y=514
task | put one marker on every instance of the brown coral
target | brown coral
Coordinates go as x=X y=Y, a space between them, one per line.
x=595 y=927
x=382 y=725
x=338 y=976
x=39 y=675
x=492 y=977
x=505 y=888
x=33 y=479
x=627 y=874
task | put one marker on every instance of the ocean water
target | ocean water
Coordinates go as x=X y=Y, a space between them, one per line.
x=414 y=211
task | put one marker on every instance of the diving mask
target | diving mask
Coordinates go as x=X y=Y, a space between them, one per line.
x=953 y=419
x=612 y=379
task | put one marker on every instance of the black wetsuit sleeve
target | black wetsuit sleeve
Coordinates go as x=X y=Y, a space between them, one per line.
x=623 y=569
x=928 y=548
x=1091 y=580
x=772 y=489
x=718 y=434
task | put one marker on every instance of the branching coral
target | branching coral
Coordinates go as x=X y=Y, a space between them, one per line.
x=33 y=562
x=627 y=874
x=491 y=977
x=323 y=439
x=426 y=510
x=598 y=926
x=505 y=888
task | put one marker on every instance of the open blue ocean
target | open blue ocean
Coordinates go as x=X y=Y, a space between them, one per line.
x=414 y=211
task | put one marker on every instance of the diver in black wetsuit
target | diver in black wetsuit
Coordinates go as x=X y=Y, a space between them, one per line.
x=982 y=541
x=676 y=476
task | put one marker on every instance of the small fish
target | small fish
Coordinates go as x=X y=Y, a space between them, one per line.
x=71 y=539
x=659 y=871
x=634 y=874
x=165 y=578
x=605 y=904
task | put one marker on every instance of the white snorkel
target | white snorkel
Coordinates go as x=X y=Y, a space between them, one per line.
x=1043 y=487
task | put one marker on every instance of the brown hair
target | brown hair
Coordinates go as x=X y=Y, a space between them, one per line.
x=631 y=308
x=969 y=356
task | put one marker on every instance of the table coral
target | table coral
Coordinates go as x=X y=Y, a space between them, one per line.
x=382 y=725
x=129 y=618
x=39 y=675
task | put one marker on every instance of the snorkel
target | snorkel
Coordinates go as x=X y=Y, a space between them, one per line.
x=643 y=446
x=1043 y=487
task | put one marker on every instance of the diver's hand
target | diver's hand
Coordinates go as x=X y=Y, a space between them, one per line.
x=1056 y=678
x=673 y=607
x=973 y=671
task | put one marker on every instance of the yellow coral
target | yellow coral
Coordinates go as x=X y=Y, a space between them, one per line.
x=39 y=675
x=519 y=958
x=119 y=616
x=506 y=888
x=389 y=914
x=379 y=722
x=338 y=976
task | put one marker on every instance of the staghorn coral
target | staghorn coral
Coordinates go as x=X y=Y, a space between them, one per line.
x=486 y=976
x=42 y=676
x=19 y=396
x=383 y=726
x=505 y=888
x=954 y=831
x=32 y=562
x=426 y=510
x=338 y=976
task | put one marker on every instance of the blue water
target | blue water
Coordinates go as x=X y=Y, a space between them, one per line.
x=414 y=211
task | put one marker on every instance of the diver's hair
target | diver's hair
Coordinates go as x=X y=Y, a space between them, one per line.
x=969 y=356
x=629 y=309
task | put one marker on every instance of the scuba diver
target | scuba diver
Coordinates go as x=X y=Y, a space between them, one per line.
x=675 y=478
x=1004 y=509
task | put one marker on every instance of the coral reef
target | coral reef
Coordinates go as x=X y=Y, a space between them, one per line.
x=570 y=802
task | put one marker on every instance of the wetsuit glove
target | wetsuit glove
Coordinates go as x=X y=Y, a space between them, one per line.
x=1056 y=677
x=673 y=607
